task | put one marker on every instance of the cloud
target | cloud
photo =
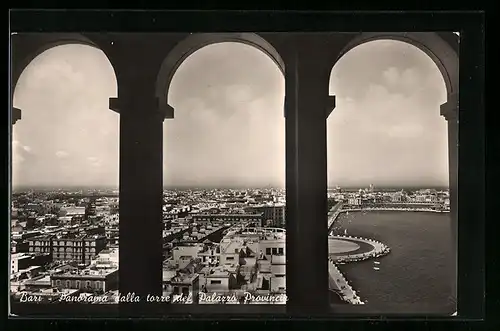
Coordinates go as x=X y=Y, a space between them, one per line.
x=238 y=93
x=406 y=131
x=62 y=154
x=391 y=75
x=229 y=123
x=406 y=80
x=94 y=161
x=64 y=95
x=392 y=122
x=19 y=149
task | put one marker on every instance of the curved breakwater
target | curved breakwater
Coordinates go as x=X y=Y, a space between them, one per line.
x=378 y=249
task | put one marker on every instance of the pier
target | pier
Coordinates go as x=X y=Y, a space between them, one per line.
x=341 y=287
x=368 y=248
x=333 y=214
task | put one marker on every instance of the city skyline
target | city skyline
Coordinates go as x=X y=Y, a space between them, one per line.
x=229 y=128
x=21 y=189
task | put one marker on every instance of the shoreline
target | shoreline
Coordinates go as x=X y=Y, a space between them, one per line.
x=338 y=282
x=429 y=210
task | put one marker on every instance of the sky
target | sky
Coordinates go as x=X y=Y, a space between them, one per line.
x=229 y=126
x=386 y=128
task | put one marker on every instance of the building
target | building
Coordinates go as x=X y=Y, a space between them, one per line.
x=41 y=244
x=26 y=266
x=227 y=218
x=230 y=252
x=210 y=255
x=95 y=230
x=185 y=286
x=113 y=235
x=354 y=201
x=180 y=253
x=16 y=226
x=274 y=252
x=87 y=280
x=260 y=257
x=19 y=261
x=72 y=211
x=397 y=197
x=181 y=280
x=106 y=259
x=219 y=281
x=81 y=248
x=19 y=246
x=272 y=215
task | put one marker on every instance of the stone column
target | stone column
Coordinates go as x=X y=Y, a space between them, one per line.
x=449 y=111
x=306 y=105
x=141 y=188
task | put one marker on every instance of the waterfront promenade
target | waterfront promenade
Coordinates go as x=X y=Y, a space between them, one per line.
x=364 y=248
x=341 y=286
x=393 y=209
x=333 y=214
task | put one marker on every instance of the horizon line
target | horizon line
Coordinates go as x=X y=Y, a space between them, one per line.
x=330 y=187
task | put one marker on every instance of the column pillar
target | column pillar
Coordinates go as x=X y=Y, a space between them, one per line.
x=449 y=111
x=141 y=191
x=307 y=105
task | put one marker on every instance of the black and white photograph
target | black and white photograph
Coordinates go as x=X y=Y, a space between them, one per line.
x=281 y=170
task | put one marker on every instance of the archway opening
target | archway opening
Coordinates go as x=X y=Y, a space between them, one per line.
x=224 y=171
x=65 y=165
x=388 y=181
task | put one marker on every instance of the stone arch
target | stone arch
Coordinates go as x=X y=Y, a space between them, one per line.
x=442 y=48
x=194 y=42
x=27 y=47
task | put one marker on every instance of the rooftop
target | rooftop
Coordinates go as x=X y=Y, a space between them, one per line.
x=233 y=246
x=75 y=273
x=218 y=273
x=19 y=256
x=181 y=278
x=38 y=280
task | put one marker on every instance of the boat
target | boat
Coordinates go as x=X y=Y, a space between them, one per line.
x=376 y=268
x=345 y=232
x=376 y=262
